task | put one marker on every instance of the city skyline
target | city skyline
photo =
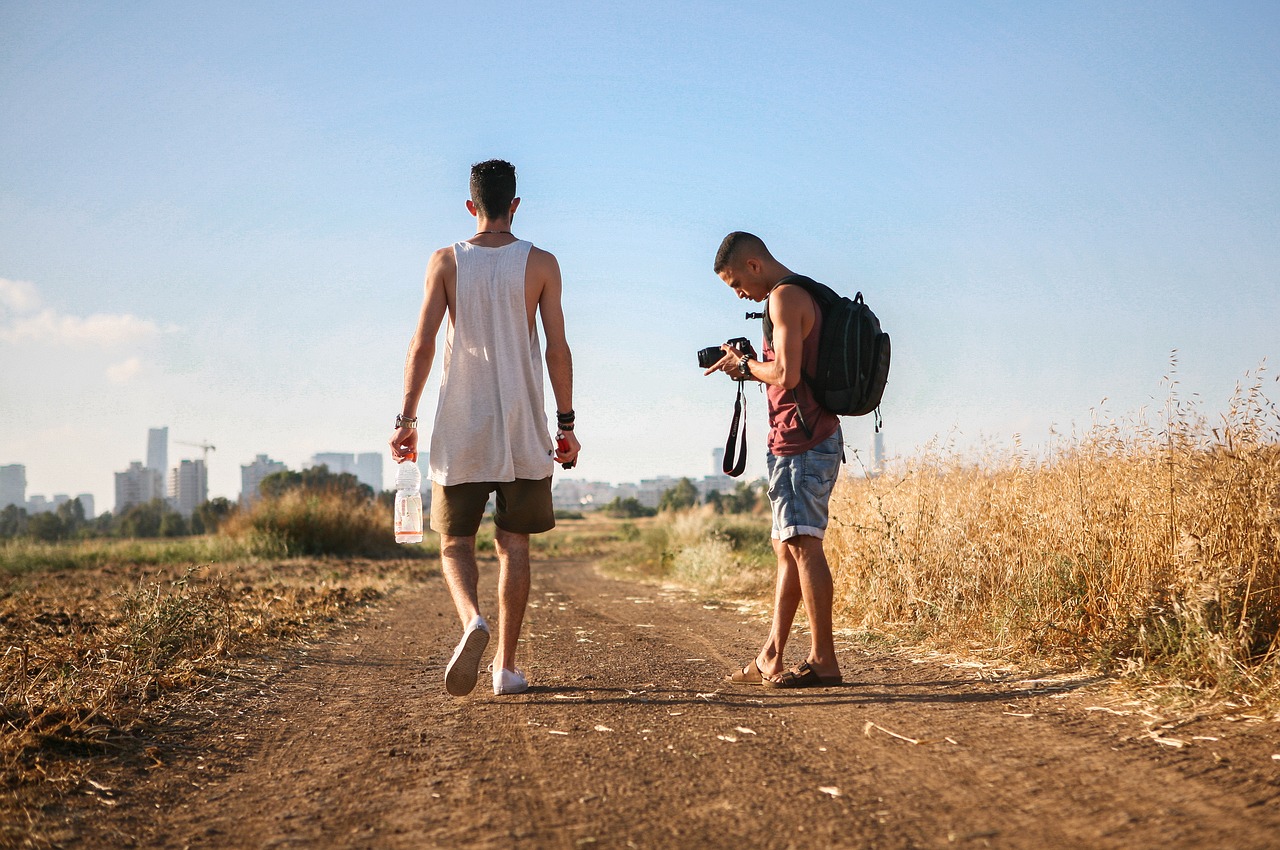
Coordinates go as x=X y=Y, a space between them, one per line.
x=13 y=491
x=176 y=483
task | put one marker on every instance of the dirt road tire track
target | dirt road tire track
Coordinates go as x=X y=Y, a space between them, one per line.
x=629 y=739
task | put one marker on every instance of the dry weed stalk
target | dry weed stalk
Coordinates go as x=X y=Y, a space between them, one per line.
x=1133 y=545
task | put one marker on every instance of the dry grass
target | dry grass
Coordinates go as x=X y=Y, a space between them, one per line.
x=724 y=553
x=20 y=555
x=1139 y=547
x=91 y=658
x=316 y=522
x=595 y=535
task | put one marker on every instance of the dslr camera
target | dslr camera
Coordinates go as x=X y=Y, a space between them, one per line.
x=708 y=357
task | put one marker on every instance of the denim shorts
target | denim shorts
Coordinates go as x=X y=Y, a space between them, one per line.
x=800 y=488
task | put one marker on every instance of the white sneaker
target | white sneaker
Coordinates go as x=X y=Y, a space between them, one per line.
x=464 y=667
x=509 y=681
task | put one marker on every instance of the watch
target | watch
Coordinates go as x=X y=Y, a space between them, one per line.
x=744 y=367
x=403 y=421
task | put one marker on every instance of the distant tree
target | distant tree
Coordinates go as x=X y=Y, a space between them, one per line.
x=173 y=524
x=47 y=526
x=744 y=498
x=715 y=500
x=211 y=514
x=103 y=525
x=628 y=508
x=72 y=515
x=317 y=478
x=683 y=495
x=13 y=521
x=142 y=520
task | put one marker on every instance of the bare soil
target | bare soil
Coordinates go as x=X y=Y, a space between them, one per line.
x=629 y=738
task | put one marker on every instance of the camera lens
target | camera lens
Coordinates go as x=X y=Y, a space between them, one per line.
x=708 y=357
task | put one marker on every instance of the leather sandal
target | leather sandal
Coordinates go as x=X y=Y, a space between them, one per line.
x=803 y=676
x=749 y=675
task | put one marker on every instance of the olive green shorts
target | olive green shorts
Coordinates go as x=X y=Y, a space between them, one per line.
x=524 y=506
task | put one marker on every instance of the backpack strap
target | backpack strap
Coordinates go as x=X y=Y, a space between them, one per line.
x=800 y=281
x=816 y=291
x=808 y=432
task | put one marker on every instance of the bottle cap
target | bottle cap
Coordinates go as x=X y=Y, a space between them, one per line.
x=413 y=456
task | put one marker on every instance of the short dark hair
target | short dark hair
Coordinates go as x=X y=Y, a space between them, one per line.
x=734 y=245
x=493 y=187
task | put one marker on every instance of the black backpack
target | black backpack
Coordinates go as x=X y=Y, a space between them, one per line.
x=853 y=353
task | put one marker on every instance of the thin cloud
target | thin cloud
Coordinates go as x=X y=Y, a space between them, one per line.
x=120 y=373
x=50 y=326
x=99 y=329
x=19 y=296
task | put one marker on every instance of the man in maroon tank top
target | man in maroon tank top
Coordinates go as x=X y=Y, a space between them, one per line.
x=805 y=452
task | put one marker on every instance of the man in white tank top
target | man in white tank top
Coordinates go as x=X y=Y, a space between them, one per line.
x=490 y=433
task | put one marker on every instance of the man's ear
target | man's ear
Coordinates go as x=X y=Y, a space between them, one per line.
x=471 y=207
x=515 y=202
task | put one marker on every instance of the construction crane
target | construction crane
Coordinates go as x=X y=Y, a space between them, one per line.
x=208 y=447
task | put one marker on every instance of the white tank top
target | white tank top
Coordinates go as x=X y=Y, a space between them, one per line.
x=491 y=422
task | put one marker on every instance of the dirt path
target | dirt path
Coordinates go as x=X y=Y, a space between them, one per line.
x=629 y=739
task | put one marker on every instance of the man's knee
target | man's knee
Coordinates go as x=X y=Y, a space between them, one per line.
x=802 y=541
x=805 y=547
x=510 y=542
x=452 y=546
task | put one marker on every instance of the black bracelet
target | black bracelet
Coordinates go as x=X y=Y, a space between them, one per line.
x=564 y=427
x=565 y=418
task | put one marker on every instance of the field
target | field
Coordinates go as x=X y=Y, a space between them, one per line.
x=1137 y=553
x=317 y=717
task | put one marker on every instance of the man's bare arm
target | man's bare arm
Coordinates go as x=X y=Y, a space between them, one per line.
x=558 y=356
x=551 y=310
x=422 y=349
x=793 y=315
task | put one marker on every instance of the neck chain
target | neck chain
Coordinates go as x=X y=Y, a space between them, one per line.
x=508 y=232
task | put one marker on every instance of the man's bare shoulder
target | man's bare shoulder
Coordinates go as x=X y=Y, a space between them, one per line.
x=791 y=297
x=443 y=258
x=542 y=257
x=791 y=308
x=542 y=266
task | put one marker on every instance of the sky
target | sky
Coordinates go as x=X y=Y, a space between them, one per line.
x=216 y=217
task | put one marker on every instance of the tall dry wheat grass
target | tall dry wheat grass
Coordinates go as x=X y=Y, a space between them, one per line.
x=317 y=522
x=1132 y=545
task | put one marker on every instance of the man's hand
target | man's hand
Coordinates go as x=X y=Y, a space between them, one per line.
x=727 y=364
x=570 y=454
x=404 y=442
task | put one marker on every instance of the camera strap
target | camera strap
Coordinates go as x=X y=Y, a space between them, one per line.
x=735 y=456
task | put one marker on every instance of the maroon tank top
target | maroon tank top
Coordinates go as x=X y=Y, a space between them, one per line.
x=787 y=431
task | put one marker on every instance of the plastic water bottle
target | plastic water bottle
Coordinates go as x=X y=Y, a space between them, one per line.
x=409 y=501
